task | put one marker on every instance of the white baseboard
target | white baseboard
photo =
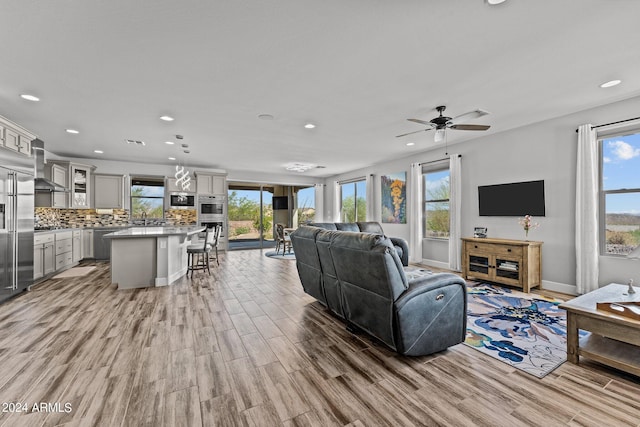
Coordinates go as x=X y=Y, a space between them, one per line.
x=437 y=264
x=559 y=287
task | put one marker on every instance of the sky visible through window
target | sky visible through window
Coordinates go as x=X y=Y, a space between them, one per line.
x=621 y=170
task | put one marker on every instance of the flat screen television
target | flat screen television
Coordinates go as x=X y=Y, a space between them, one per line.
x=514 y=199
x=280 y=202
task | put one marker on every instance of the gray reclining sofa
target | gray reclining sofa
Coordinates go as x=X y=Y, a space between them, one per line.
x=402 y=248
x=359 y=278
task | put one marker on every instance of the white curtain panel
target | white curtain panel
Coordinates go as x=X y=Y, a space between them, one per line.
x=370 y=198
x=337 y=201
x=587 y=251
x=455 y=200
x=319 y=198
x=415 y=213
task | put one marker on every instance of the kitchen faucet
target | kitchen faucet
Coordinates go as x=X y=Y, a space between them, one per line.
x=144 y=217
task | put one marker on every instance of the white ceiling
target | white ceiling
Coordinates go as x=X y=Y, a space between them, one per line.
x=357 y=69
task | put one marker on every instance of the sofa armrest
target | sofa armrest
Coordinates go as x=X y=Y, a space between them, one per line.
x=428 y=283
x=404 y=246
x=431 y=314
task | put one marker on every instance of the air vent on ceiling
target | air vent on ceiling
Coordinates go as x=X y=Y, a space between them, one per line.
x=134 y=141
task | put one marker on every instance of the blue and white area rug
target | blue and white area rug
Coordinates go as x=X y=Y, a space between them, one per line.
x=279 y=255
x=526 y=331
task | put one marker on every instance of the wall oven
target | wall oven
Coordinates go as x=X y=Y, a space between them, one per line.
x=210 y=205
x=182 y=201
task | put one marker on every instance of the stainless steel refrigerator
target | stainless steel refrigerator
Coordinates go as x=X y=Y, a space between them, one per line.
x=16 y=231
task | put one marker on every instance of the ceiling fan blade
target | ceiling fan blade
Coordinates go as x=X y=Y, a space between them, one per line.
x=422 y=122
x=439 y=136
x=470 y=127
x=405 y=134
x=468 y=116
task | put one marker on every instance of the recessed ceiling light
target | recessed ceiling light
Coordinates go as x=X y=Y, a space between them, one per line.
x=611 y=83
x=169 y=142
x=265 y=117
x=167 y=118
x=494 y=2
x=30 y=97
x=411 y=143
x=73 y=131
x=98 y=151
x=309 y=126
x=172 y=158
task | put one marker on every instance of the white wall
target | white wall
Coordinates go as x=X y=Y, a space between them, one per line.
x=545 y=150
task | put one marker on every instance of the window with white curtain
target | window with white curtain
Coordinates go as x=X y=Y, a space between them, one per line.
x=353 y=201
x=436 y=191
x=619 y=192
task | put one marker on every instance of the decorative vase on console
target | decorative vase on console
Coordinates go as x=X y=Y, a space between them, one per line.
x=528 y=224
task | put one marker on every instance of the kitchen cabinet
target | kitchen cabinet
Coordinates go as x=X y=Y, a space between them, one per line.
x=87 y=243
x=108 y=191
x=59 y=176
x=73 y=176
x=80 y=185
x=211 y=184
x=14 y=137
x=64 y=249
x=43 y=254
x=76 y=252
x=50 y=199
x=173 y=186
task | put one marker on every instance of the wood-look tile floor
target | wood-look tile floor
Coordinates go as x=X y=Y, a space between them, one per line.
x=245 y=346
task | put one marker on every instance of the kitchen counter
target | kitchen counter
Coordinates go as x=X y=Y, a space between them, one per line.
x=144 y=257
x=136 y=232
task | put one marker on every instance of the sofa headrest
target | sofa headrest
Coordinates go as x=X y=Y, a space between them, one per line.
x=370 y=227
x=324 y=225
x=347 y=226
x=305 y=232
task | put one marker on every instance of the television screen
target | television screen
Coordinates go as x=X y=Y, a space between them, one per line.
x=515 y=199
x=280 y=202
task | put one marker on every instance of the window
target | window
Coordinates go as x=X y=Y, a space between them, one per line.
x=147 y=198
x=353 y=196
x=436 y=201
x=620 y=193
x=306 y=205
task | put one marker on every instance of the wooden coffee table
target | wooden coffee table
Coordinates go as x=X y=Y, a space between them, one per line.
x=614 y=340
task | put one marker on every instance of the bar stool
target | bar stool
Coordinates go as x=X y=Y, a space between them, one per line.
x=198 y=254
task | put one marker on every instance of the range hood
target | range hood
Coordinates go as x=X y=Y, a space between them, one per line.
x=42 y=184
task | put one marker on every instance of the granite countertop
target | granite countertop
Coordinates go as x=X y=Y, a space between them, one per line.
x=134 y=232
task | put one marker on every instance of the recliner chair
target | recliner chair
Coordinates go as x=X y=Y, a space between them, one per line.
x=360 y=278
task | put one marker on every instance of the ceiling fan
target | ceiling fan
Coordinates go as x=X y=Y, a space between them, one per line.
x=441 y=123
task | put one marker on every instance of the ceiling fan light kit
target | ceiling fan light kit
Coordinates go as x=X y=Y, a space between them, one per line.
x=443 y=122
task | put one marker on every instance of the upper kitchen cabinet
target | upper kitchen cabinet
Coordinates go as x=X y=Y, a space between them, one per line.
x=80 y=186
x=174 y=187
x=210 y=183
x=15 y=137
x=50 y=199
x=108 y=191
x=76 y=178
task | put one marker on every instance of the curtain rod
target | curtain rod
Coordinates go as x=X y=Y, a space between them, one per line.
x=613 y=123
x=436 y=161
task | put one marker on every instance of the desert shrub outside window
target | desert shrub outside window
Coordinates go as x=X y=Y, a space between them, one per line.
x=436 y=192
x=620 y=193
x=147 y=198
x=353 y=197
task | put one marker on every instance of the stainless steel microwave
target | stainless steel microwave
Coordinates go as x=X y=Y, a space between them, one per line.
x=182 y=201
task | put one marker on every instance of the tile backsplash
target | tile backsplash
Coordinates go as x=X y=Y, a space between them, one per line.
x=80 y=218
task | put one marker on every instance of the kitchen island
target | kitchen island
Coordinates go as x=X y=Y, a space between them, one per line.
x=143 y=257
